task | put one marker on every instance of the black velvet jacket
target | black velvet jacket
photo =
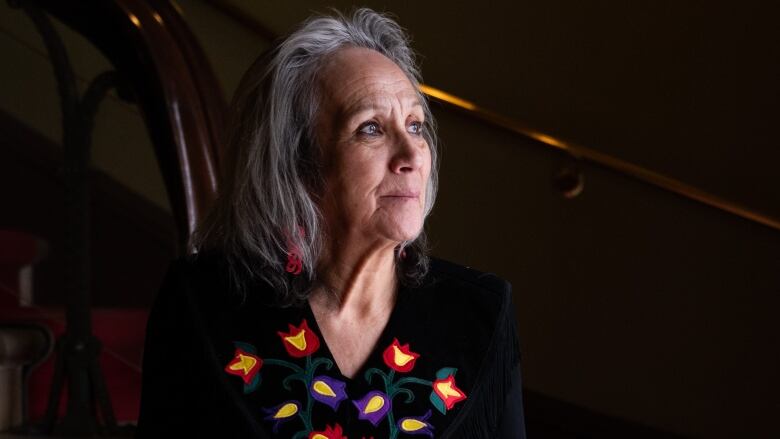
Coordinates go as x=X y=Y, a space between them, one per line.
x=218 y=365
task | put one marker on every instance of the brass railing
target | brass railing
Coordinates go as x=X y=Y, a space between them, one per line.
x=602 y=159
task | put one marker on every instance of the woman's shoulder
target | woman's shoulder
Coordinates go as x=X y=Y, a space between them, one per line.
x=472 y=309
x=469 y=314
x=469 y=289
x=205 y=280
x=196 y=265
x=189 y=272
x=488 y=282
x=202 y=263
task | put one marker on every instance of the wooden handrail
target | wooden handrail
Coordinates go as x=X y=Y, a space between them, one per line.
x=160 y=60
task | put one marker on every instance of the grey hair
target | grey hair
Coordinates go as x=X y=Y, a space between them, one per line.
x=271 y=178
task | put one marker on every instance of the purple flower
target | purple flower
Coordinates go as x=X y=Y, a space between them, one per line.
x=328 y=391
x=373 y=407
x=416 y=425
x=282 y=413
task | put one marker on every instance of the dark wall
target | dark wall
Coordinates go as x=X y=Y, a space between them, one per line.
x=631 y=301
x=686 y=88
x=132 y=240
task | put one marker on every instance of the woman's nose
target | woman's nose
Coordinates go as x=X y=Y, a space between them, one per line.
x=409 y=153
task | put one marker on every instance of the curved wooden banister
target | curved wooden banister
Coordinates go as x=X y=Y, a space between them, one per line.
x=170 y=79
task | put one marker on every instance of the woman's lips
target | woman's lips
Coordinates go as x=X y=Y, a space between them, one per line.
x=403 y=195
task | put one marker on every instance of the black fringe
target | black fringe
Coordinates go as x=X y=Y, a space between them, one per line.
x=480 y=415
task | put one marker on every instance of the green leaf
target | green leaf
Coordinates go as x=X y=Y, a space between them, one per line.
x=445 y=372
x=438 y=403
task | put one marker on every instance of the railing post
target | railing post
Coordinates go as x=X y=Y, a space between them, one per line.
x=88 y=410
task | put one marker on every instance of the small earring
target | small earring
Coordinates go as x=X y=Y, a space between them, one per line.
x=294 y=259
x=294 y=263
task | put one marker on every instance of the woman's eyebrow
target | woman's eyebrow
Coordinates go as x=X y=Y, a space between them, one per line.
x=380 y=106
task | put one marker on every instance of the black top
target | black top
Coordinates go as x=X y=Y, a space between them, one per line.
x=217 y=364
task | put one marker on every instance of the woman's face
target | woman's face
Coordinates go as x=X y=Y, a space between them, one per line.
x=376 y=160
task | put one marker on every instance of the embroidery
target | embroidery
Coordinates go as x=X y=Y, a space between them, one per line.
x=246 y=365
x=400 y=358
x=301 y=341
x=328 y=391
x=282 y=413
x=375 y=406
x=445 y=393
x=328 y=433
x=416 y=425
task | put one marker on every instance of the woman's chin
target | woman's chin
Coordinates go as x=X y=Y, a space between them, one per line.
x=404 y=231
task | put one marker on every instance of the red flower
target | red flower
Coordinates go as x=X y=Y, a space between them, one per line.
x=301 y=341
x=399 y=358
x=244 y=365
x=328 y=433
x=448 y=392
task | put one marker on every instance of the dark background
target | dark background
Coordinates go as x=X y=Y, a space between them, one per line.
x=632 y=301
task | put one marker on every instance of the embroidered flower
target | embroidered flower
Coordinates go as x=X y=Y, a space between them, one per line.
x=373 y=407
x=328 y=391
x=328 y=433
x=416 y=425
x=282 y=413
x=445 y=393
x=399 y=358
x=246 y=365
x=301 y=341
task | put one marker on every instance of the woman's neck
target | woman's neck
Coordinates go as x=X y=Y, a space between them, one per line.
x=357 y=281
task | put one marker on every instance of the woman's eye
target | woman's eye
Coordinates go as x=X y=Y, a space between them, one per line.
x=416 y=128
x=369 y=128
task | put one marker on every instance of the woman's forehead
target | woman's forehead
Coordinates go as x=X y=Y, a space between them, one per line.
x=382 y=103
x=357 y=79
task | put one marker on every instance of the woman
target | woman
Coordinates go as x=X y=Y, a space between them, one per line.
x=312 y=309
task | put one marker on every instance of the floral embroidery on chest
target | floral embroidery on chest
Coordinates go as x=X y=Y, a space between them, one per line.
x=375 y=406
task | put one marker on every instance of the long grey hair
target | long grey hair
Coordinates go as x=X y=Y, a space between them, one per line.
x=271 y=179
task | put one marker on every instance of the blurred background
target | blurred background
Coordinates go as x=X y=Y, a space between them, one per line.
x=616 y=161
